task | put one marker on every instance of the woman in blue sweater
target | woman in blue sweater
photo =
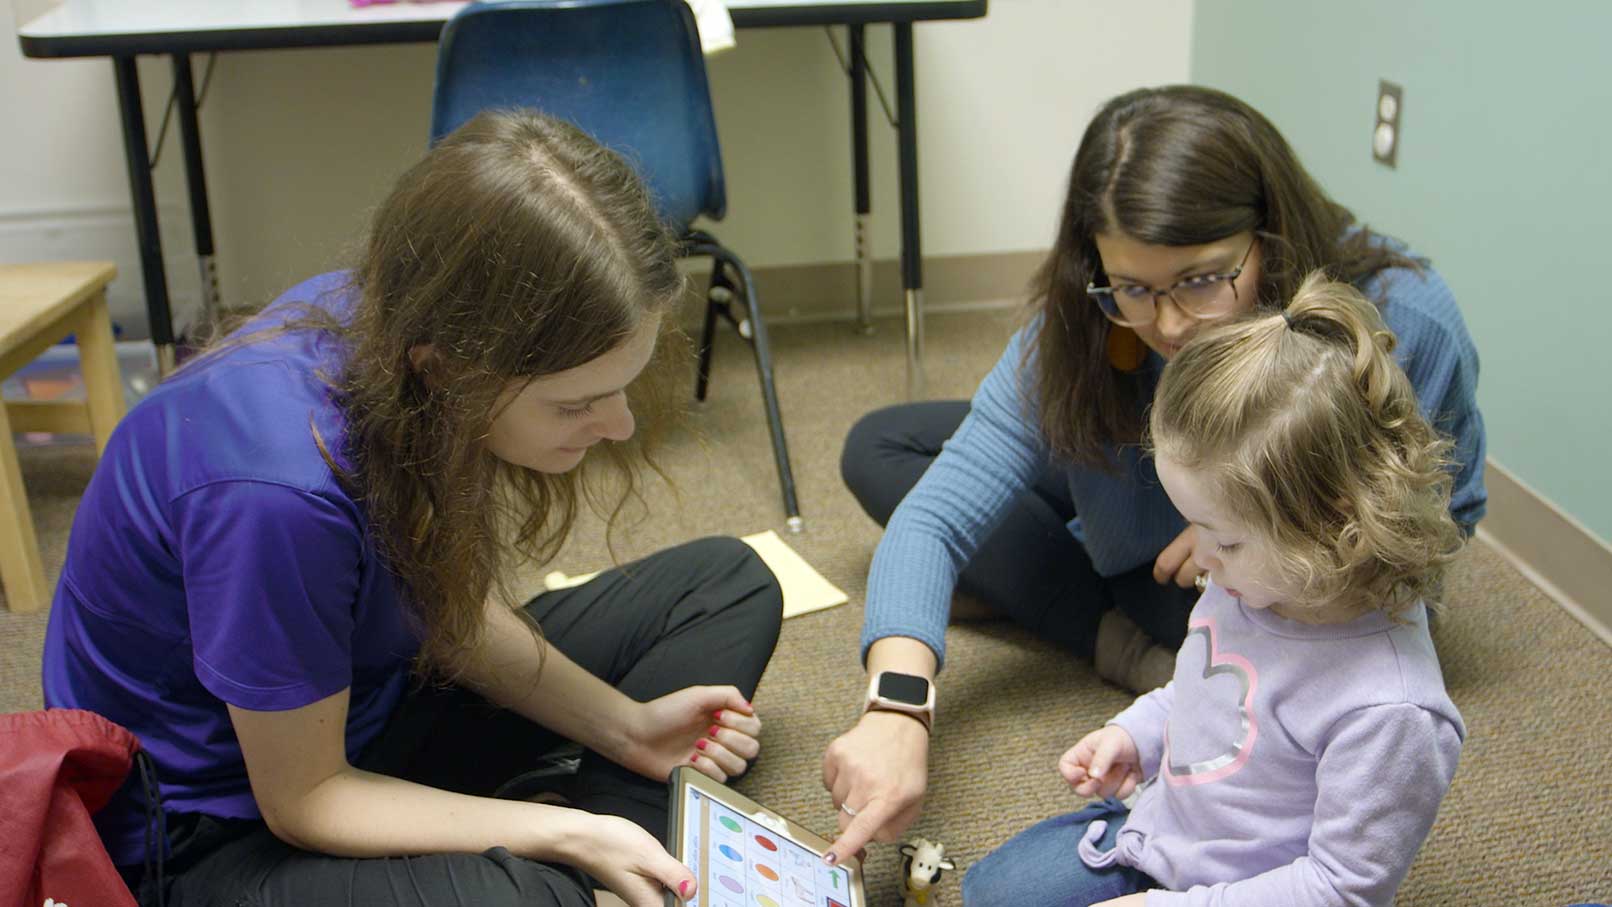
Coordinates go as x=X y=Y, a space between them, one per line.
x=1185 y=207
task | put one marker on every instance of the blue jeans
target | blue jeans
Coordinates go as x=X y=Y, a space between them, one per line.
x=1041 y=865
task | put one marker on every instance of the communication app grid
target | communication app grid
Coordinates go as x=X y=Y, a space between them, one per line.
x=740 y=863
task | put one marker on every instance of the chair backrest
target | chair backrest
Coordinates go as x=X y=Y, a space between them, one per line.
x=627 y=72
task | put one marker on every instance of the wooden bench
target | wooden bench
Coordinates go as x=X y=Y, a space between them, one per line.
x=40 y=305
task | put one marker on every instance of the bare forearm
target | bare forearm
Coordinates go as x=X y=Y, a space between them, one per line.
x=355 y=813
x=515 y=669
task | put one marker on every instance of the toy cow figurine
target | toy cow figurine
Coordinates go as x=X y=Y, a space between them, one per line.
x=921 y=865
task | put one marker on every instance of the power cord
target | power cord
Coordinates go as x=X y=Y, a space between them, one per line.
x=845 y=65
x=173 y=99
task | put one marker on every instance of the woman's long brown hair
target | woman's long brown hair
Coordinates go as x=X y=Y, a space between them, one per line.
x=516 y=248
x=1174 y=166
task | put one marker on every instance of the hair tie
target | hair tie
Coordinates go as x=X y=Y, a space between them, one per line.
x=1287 y=317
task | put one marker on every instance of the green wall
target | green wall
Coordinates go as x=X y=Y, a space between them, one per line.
x=1504 y=180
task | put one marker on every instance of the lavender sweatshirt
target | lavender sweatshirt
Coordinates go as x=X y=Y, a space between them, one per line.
x=1287 y=763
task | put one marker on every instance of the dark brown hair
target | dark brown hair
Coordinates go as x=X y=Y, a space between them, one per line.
x=1310 y=435
x=517 y=248
x=1174 y=166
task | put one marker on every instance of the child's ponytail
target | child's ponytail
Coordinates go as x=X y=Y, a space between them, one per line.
x=1338 y=314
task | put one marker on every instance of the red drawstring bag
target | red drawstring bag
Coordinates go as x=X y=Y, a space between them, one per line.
x=57 y=768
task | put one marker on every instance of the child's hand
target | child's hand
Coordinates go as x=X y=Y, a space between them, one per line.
x=1103 y=764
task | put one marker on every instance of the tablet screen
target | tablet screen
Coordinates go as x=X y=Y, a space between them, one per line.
x=740 y=863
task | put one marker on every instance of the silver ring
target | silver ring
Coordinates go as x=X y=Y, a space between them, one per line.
x=846 y=808
x=1201 y=581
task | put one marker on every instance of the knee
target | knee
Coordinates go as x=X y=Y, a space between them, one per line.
x=754 y=586
x=858 y=457
x=1000 y=880
x=767 y=605
x=1039 y=865
x=978 y=889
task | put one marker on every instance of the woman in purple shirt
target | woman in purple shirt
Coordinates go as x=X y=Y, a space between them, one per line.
x=285 y=576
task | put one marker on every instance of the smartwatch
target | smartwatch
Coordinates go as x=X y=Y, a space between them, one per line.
x=893 y=691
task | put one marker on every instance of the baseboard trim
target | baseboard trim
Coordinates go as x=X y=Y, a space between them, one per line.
x=792 y=294
x=1553 y=550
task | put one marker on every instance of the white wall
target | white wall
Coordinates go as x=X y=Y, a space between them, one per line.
x=301 y=144
x=64 y=188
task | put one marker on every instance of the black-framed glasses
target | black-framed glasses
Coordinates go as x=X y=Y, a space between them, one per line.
x=1203 y=296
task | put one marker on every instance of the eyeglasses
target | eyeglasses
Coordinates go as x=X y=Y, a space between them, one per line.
x=1201 y=297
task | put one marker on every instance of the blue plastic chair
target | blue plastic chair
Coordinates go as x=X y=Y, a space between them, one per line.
x=630 y=74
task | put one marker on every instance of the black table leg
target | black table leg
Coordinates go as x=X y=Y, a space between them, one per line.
x=912 y=277
x=201 y=216
x=859 y=166
x=146 y=229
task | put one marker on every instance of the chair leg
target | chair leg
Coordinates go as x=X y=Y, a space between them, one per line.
x=21 y=572
x=98 y=363
x=718 y=287
x=769 y=394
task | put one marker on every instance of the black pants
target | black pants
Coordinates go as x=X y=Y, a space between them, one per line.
x=1030 y=569
x=707 y=612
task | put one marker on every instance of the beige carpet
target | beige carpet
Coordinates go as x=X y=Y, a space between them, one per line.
x=1528 y=822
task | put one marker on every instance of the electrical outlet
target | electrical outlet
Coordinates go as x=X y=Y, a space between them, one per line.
x=1385 y=135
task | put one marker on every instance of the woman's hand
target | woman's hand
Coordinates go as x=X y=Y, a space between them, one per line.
x=711 y=728
x=1175 y=563
x=627 y=860
x=879 y=769
x=1104 y=763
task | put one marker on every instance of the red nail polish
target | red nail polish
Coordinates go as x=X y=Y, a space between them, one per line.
x=694 y=758
x=682 y=888
x=699 y=744
x=717 y=715
x=831 y=858
x=713 y=730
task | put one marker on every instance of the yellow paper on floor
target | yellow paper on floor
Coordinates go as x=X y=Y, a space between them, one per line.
x=805 y=590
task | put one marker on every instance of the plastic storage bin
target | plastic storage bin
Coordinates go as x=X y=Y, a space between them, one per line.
x=54 y=375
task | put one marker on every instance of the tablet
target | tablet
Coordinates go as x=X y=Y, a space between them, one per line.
x=745 y=855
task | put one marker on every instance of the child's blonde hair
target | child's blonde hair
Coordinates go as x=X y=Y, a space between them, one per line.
x=1309 y=432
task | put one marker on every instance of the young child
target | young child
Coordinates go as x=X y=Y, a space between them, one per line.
x=1299 y=755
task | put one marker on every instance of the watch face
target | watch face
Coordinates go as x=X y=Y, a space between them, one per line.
x=904 y=688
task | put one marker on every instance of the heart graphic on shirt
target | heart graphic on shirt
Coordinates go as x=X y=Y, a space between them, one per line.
x=1212 y=729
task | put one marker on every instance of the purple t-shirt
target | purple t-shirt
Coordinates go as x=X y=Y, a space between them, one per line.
x=216 y=559
x=1287 y=763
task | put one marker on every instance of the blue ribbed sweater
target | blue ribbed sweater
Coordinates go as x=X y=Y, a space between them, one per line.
x=1125 y=519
